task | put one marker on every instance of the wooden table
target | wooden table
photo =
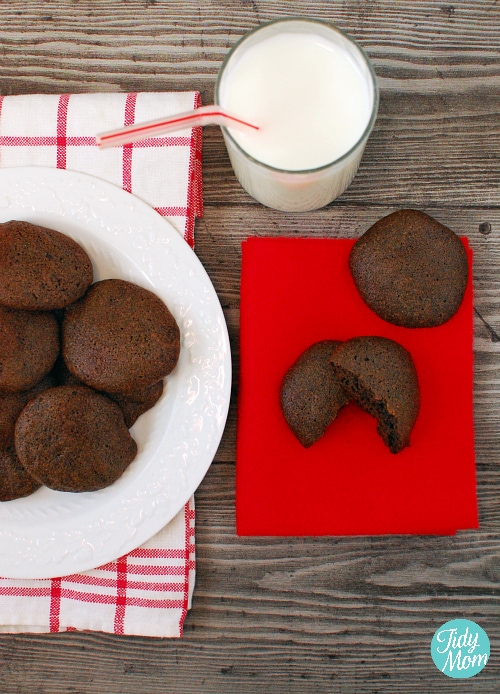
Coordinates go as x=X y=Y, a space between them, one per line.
x=314 y=614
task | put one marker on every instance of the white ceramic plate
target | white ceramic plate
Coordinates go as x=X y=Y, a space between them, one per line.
x=57 y=533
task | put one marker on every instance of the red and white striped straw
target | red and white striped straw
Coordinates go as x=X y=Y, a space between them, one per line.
x=205 y=115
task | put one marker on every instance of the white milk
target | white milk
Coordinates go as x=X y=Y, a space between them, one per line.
x=313 y=94
x=306 y=94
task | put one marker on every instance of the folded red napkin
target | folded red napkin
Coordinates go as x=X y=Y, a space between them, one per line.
x=147 y=592
x=295 y=292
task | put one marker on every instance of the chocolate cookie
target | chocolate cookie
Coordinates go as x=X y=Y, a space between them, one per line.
x=410 y=269
x=132 y=406
x=29 y=345
x=139 y=402
x=72 y=439
x=11 y=405
x=15 y=481
x=119 y=338
x=63 y=375
x=311 y=395
x=41 y=269
x=379 y=374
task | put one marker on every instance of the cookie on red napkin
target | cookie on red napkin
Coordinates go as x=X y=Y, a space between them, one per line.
x=295 y=292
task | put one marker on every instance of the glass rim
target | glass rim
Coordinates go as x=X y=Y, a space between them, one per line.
x=332 y=27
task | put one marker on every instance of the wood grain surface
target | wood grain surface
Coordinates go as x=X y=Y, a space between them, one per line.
x=330 y=615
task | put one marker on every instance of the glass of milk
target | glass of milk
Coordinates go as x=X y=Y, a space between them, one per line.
x=313 y=93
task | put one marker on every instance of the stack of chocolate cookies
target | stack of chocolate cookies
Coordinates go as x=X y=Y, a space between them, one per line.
x=80 y=362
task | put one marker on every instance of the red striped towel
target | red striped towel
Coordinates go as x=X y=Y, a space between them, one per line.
x=147 y=592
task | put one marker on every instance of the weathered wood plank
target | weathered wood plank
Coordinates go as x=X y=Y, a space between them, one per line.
x=332 y=615
x=438 y=132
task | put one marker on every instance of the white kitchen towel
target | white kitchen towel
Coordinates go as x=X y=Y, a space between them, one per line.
x=147 y=592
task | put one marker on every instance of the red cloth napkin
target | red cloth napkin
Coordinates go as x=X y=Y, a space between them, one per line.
x=295 y=292
x=147 y=592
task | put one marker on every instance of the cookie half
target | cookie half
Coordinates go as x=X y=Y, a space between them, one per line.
x=380 y=375
x=311 y=395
